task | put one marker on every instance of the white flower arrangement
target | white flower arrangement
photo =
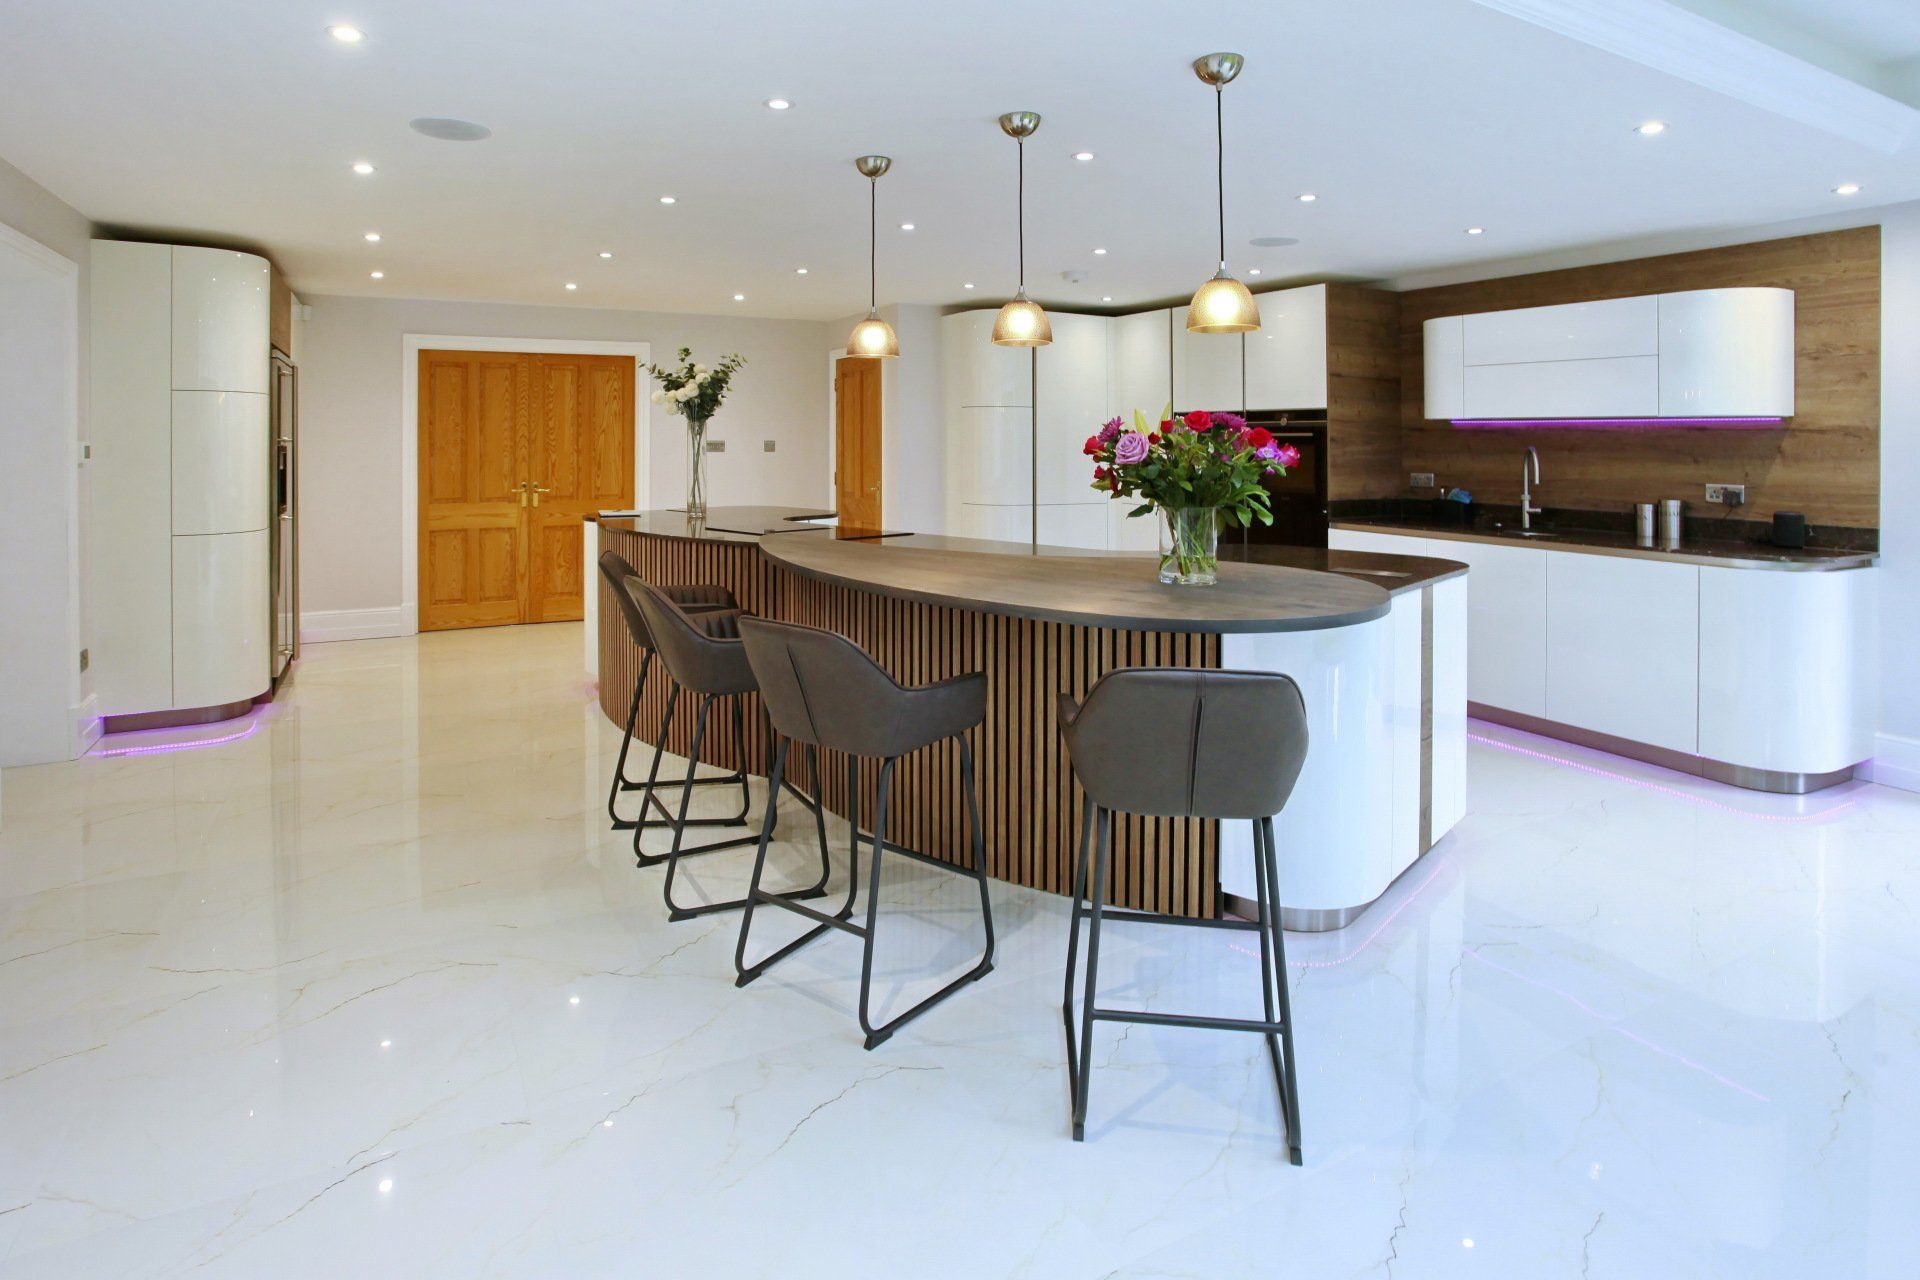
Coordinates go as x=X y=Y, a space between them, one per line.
x=694 y=390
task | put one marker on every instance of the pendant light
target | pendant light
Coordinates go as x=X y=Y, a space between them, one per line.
x=1222 y=304
x=1021 y=323
x=873 y=337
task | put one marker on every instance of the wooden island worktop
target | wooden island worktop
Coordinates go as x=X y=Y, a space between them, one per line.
x=1045 y=621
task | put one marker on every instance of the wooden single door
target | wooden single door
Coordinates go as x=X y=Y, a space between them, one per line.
x=580 y=459
x=856 y=441
x=515 y=449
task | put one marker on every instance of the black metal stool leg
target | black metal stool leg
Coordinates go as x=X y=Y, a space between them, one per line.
x=874 y=1038
x=1073 y=954
x=1097 y=899
x=1290 y=1082
x=744 y=972
x=979 y=842
x=620 y=780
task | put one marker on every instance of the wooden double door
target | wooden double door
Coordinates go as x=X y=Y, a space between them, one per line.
x=516 y=449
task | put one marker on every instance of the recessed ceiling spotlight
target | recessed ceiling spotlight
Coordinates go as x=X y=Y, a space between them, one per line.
x=373 y=237
x=1847 y=189
x=1083 y=156
x=571 y=286
x=447 y=129
x=1306 y=197
x=778 y=104
x=739 y=297
x=1651 y=129
x=605 y=253
x=362 y=167
x=378 y=275
x=666 y=199
x=799 y=271
x=346 y=34
x=1107 y=298
x=1253 y=271
x=906 y=226
x=967 y=285
x=1100 y=251
x=1476 y=231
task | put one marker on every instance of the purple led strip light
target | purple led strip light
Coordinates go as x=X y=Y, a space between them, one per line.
x=162 y=748
x=1611 y=424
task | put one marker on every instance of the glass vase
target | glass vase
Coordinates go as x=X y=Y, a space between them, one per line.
x=1190 y=546
x=696 y=468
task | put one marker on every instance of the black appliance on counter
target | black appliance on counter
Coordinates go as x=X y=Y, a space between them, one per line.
x=1299 y=498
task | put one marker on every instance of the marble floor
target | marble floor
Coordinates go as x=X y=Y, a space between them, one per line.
x=363 y=986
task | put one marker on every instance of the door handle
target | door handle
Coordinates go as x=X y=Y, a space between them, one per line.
x=538 y=489
x=522 y=487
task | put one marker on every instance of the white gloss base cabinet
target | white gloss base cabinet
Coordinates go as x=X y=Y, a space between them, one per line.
x=1759 y=677
x=1355 y=821
x=220 y=619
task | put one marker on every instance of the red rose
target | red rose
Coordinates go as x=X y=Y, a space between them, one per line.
x=1199 y=420
x=1166 y=425
x=1091 y=447
x=1153 y=437
x=1257 y=438
x=1100 y=473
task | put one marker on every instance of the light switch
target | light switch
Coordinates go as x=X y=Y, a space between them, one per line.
x=766 y=446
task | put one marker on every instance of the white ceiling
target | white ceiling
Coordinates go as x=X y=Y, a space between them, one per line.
x=1411 y=119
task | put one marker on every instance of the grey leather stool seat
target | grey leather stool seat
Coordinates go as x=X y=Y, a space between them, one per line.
x=704 y=656
x=695 y=600
x=1226 y=745
x=822 y=691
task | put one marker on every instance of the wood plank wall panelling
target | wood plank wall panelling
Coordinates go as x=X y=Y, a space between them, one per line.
x=1824 y=462
x=1029 y=804
x=1363 y=392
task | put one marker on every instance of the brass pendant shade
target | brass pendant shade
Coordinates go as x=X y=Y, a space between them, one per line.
x=1222 y=304
x=1021 y=322
x=873 y=338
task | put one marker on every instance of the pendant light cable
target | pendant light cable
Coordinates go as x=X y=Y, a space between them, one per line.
x=873 y=244
x=1220 y=168
x=1021 y=205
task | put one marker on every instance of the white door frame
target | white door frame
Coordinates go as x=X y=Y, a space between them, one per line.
x=79 y=726
x=411 y=345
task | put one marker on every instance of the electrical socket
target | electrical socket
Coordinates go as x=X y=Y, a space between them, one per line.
x=1421 y=479
x=716 y=446
x=1727 y=495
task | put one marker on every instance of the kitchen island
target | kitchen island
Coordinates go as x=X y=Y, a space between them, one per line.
x=1376 y=643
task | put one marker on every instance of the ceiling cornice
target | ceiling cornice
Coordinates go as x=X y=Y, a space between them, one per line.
x=1678 y=42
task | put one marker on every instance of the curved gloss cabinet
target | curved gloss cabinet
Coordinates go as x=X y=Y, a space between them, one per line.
x=179 y=592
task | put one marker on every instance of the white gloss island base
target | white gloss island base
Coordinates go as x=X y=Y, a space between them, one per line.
x=1385 y=776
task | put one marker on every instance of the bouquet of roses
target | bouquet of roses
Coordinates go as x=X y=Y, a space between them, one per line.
x=1200 y=460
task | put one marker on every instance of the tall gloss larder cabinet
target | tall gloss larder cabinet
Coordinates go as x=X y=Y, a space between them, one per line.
x=182 y=459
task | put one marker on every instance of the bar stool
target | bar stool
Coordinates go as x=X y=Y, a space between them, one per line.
x=703 y=655
x=823 y=691
x=1225 y=745
x=694 y=600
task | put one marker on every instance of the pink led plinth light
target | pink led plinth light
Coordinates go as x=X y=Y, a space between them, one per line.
x=1612 y=424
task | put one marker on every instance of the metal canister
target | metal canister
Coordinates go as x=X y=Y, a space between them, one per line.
x=1643 y=523
x=1671 y=511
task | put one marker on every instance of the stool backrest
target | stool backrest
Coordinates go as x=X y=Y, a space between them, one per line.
x=615 y=568
x=702 y=652
x=821 y=688
x=1180 y=743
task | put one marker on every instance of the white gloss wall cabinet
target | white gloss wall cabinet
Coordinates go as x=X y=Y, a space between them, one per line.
x=182 y=478
x=1286 y=357
x=1070 y=398
x=979 y=374
x=1140 y=376
x=1761 y=677
x=1208 y=369
x=1712 y=353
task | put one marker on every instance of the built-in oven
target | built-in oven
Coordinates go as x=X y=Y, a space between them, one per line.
x=284 y=535
x=1299 y=498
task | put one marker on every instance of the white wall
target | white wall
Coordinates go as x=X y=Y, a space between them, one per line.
x=43 y=396
x=1898 y=759
x=350 y=426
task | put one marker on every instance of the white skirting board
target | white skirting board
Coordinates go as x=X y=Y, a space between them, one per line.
x=1895 y=763
x=354 y=624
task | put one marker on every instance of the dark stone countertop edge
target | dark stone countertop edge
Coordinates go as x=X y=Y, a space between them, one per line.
x=1719 y=555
